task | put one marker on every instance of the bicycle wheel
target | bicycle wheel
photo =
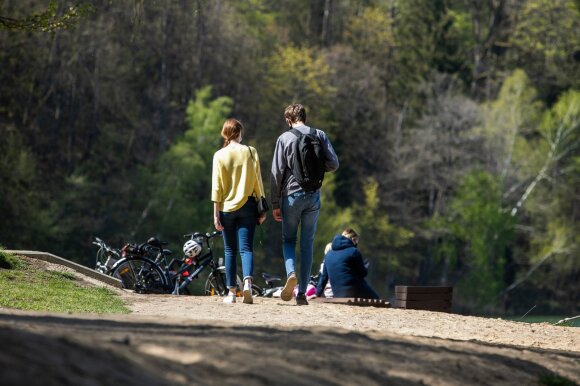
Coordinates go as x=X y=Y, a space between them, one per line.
x=141 y=275
x=216 y=284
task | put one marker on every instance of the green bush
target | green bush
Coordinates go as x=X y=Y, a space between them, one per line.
x=9 y=261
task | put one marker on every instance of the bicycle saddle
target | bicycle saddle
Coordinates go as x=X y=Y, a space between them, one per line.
x=154 y=242
x=270 y=278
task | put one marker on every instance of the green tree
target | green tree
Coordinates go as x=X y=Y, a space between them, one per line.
x=363 y=120
x=551 y=199
x=478 y=236
x=426 y=41
x=294 y=75
x=509 y=123
x=51 y=20
x=371 y=35
x=23 y=216
x=381 y=241
x=331 y=221
x=178 y=186
x=547 y=43
x=533 y=152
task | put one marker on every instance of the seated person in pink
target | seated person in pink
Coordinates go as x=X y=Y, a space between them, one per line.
x=345 y=267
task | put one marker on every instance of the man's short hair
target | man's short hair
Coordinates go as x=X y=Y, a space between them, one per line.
x=295 y=113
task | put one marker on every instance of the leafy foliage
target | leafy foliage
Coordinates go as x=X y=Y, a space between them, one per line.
x=178 y=188
x=9 y=261
x=49 y=20
x=479 y=236
x=547 y=40
x=456 y=126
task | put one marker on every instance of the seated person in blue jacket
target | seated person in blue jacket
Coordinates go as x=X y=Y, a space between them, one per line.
x=346 y=269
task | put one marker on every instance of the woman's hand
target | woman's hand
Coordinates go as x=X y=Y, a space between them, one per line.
x=217 y=224
x=216 y=217
x=262 y=218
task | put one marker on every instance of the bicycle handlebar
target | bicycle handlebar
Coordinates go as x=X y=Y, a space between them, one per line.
x=101 y=244
x=204 y=235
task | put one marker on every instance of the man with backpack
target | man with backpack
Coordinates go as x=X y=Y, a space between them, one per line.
x=301 y=157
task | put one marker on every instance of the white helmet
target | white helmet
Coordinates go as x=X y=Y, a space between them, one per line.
x=191 y=248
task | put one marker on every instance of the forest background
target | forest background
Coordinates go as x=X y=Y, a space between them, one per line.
x=456 y=123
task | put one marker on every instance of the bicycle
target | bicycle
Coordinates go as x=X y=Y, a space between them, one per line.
x=145 y=269
x=270 y=289
x=106 y=257
x=215 y=283
x=137 y=271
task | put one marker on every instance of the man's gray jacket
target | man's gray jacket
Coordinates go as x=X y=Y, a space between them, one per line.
x=282 y=182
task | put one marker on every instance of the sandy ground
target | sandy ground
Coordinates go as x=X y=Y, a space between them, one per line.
x=200 y=340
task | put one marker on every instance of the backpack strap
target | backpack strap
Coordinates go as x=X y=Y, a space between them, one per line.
x=298 y=133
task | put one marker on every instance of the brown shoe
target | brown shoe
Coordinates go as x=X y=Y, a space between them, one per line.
x=286 y=294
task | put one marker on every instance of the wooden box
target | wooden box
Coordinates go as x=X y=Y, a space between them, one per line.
x=424 y=298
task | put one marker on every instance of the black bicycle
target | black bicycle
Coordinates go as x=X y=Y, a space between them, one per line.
x=139 y=268
x=106 y=257
x=215 y=283
x=145 y=268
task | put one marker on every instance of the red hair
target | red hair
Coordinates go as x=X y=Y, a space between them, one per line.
x=231 y=129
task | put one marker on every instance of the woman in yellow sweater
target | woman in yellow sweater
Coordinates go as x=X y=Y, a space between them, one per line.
x=236 y=183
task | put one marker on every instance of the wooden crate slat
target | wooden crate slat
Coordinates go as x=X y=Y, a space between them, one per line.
x=423 y=296
x=419 y=304
x=422 y=289
x=431 y=307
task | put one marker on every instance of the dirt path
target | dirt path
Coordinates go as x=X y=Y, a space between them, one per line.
x=183 y=340
x=274 y=312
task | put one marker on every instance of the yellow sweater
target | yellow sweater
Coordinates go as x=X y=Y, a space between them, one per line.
x=235 y=177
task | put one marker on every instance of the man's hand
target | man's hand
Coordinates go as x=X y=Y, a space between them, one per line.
x=277 y=214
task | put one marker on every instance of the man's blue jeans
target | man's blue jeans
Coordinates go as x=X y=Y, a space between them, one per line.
x=239 y=227
x=299 y=209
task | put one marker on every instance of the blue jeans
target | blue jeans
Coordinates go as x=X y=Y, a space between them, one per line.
x=299 y=207
x=239 y=227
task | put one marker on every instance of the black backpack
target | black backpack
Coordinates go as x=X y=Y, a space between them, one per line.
x=308 y=163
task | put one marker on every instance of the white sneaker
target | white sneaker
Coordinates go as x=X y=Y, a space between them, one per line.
x=248 y=294
x=288 y=289
x=230 y=299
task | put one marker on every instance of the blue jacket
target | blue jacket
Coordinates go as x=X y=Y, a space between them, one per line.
x=344 y=267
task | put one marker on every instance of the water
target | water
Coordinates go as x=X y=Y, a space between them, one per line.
x=544 y=319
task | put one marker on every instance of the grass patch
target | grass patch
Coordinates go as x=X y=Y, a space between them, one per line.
x=25 y=287
x=9 y=261
x=555 y=380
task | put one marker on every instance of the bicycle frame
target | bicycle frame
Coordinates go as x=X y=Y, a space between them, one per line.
x=204 y=261
x=106 y=256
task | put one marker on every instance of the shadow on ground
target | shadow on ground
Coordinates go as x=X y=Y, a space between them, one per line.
x=65 y=350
